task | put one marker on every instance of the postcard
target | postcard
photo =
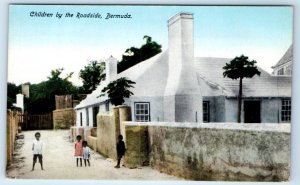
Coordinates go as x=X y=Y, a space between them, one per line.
x=136 y=92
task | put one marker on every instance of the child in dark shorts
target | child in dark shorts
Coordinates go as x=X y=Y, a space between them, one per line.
x=37 y=149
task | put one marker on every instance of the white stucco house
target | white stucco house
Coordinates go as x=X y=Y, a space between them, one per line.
x=284 y=65
x=175 y=86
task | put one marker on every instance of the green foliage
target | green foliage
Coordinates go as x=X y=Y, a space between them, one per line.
x=133 y=55
x=12 y=91
x=42 y=95
x=118 y=90
x=91 y=76
x=239 y=68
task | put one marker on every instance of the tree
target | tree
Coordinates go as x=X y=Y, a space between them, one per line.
x=92 y=75
x=239 y=68
x=42 y=95
x=118 y=90
x=133 y=55
x=12 y=91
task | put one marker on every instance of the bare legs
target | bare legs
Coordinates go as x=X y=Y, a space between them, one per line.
x=40 y=157
x=87 y=161
x=80 y=161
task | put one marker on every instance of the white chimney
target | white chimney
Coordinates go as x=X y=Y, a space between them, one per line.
x=111 y=69
x=182 y=97
x=25 y=90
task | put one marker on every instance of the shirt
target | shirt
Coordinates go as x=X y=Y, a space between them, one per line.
x=37 y=147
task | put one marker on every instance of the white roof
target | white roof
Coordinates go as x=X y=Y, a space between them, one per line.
x=151 y=78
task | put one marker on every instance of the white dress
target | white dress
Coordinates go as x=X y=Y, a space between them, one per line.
x=86 y=152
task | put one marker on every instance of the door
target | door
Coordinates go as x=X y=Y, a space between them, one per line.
x=252 y=111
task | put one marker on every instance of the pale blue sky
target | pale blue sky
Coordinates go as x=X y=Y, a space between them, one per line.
x=38 y=45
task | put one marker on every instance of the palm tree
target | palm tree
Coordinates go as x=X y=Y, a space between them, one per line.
x=239 y=68
x=118 y=90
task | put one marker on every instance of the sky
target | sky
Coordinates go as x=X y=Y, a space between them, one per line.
x=37 y=45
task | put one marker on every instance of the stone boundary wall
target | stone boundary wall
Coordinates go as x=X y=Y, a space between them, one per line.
x=63 y=101
x=137 y=145
x=64 y=118
x=13 y=119
x=74 y=132
x=213 y=151
x=107 y=130
x=109 y=127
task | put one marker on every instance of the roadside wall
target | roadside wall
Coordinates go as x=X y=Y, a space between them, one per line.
x=109 y=127
x=221 y=152
x=13 y=119
x=75 y=131
x=64 y=118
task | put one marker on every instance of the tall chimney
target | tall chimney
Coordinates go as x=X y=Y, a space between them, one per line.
x=25 y=90
x=182 y=97
x=111 y=69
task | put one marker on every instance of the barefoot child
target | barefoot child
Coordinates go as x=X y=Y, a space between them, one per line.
x=37 y=149
x=86 y=153
x=120 y=150
x=78 y=150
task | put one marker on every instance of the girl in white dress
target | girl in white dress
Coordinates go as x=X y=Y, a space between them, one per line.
x=86 y=153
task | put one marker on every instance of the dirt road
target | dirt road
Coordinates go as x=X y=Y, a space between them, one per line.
x=59 y=162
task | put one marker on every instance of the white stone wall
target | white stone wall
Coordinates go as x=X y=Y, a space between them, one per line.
x=219 y=151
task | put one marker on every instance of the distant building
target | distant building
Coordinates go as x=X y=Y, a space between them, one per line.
x=174 y=86
x=25 y=90
x=20 y=102
x=284 y=65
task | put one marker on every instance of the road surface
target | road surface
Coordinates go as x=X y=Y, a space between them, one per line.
x=59 y=162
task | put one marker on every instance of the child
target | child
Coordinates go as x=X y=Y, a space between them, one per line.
x=78 y=150
x=86 y=153
x=120 y=150
x=37 y=149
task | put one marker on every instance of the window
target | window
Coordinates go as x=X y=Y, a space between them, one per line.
x=280 y=72
x=205 y=107
x=142 y=112
x=286 y=110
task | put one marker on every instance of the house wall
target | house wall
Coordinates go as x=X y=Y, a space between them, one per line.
x=102 y=107
x=84 y=117
x=270 y=110
x=217 y=108
x=90 y=113
x=231 y=110
x=156 y=106
x=212 y=151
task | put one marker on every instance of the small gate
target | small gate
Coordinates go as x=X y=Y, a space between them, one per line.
x=36 y=121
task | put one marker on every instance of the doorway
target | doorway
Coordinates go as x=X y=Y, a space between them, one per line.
x=252 y=112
